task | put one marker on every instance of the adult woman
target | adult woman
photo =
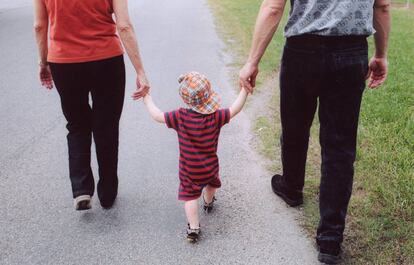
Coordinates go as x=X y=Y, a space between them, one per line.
x=85 y=57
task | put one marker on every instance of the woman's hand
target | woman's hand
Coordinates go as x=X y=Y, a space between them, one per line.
x=128 y=38
x=143 y=87
x=45 y=76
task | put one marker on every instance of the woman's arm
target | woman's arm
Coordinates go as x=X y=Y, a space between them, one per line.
x=239 y=103
x=155 y=112
x=41 y=26
x=128 y=38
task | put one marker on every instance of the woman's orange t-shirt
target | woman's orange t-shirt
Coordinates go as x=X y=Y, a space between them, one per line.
x=81 y=31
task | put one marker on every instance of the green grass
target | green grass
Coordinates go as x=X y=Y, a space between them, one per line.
x=239 y=17
x=380 y=224
x=385 y=164
x=401 y=2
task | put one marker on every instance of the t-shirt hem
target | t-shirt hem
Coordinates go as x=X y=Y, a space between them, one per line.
x=322 y=34
x=52 y=59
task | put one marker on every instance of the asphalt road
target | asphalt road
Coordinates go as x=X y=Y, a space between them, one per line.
x=38 y=224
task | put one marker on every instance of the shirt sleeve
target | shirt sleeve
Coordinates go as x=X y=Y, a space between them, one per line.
x=171 y=119
x=222 y=117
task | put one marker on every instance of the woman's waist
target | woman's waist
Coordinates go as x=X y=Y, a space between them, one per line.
x=77 y=49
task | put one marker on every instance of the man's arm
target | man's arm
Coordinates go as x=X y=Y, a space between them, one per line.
x=237 y=105
x=128 y=38
x=41 y=26
x=267 y=22
x=154 y=111
x=378 y=66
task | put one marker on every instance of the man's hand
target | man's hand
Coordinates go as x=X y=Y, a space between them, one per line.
x=142 y=87
x=271 y=11
x=46 y=76
x=378 y=70
x=247 y=76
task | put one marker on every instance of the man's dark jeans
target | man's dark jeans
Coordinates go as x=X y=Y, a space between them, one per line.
x=104 y=80
x=331 y=71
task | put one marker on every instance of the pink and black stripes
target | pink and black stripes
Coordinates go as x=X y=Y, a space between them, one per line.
x=198 y=136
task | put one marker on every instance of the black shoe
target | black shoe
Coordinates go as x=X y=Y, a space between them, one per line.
x=329 y=252
x=292 y=198
x=208 y=207
x=107 y=199
x=193 y=234
x=108 y=194
x=108 y=204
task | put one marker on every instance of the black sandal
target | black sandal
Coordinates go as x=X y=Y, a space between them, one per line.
x=192 y=234
x=208 y=207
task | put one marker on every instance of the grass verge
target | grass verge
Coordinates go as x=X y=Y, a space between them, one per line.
x=380 y=220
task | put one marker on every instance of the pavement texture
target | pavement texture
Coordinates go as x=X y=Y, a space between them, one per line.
x=38 y=224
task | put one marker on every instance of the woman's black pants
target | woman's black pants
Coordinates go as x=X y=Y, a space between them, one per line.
x=104 y=80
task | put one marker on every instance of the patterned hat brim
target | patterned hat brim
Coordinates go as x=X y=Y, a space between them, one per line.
x=211 y=105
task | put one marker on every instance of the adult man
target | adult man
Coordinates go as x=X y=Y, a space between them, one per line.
x=324 y=59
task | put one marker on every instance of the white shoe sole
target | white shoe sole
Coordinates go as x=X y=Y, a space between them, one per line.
x=82 y=203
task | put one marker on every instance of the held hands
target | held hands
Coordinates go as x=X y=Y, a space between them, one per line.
x=45 y=76
x=378 y=70
x=143 y=87
x=247 y=76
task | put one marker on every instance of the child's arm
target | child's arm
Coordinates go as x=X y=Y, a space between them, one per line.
x=155 y=112
x=237 y=105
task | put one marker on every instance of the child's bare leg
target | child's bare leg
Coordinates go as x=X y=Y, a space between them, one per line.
x=191 y=211
x=209 y=193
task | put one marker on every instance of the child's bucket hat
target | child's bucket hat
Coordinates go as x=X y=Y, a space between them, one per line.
x=196 y=92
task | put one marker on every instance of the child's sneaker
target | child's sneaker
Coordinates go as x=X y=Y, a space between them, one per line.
x=193 y=234
x=82 y=203
x=208 y=207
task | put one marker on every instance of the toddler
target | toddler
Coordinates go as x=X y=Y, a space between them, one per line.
x=198 y=128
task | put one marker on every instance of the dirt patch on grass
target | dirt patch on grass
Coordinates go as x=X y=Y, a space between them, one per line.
x=403 y=6
x=263 y=111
